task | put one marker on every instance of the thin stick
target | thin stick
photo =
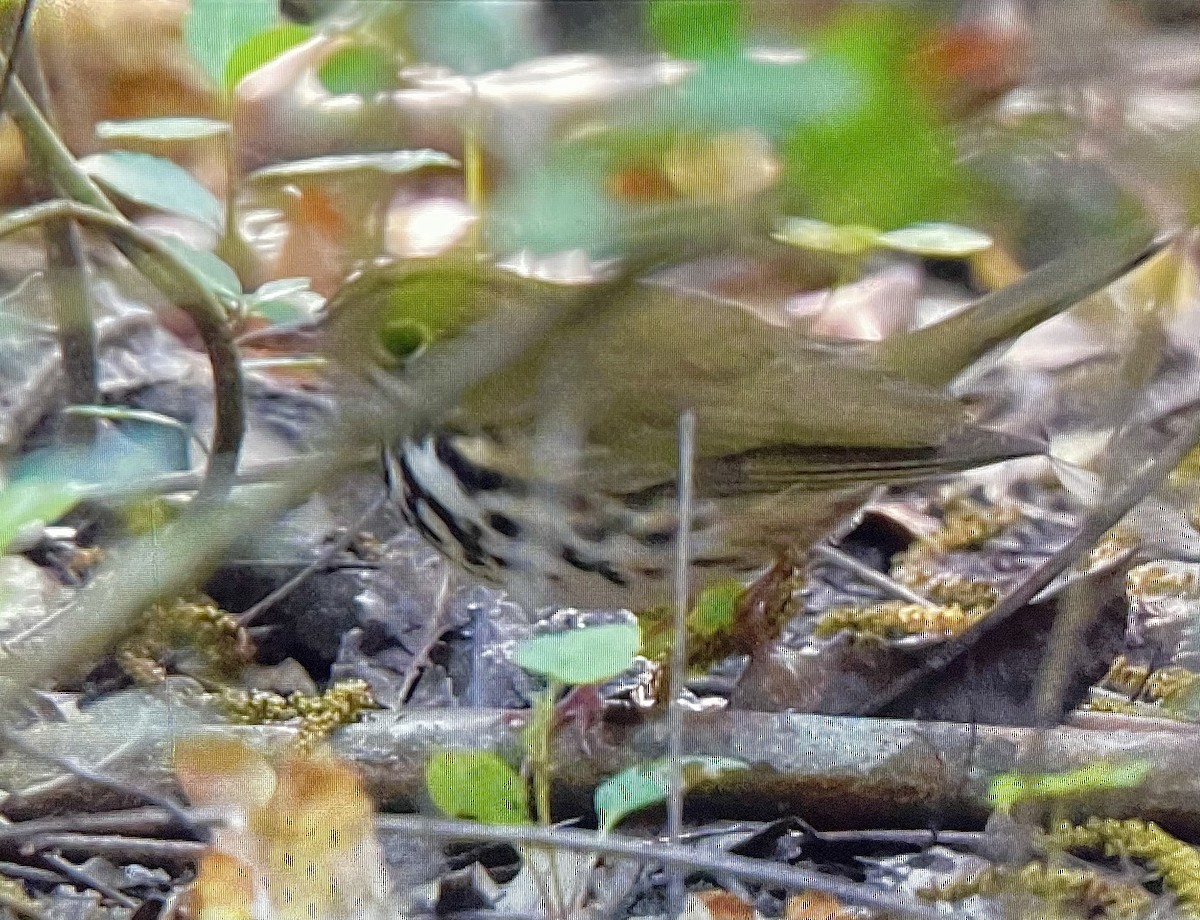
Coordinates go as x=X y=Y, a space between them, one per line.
x=132 y=849
x=91 y=775
x=687 y=458
x=129 y=820
x=435 y=626
x=81 y=876
x=268 y=471
x=868 y=575
x=657 y=851
x=341 y=544
x=1102 y=519
x=66 y=271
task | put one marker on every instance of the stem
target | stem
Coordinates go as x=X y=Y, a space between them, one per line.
x=473 y=170
x=66 y=275
x=177 y=281
x=47 y=148
x=678 y=665
x=14 y=50
x=159 y=265
x=540 y=756
x=231 y=247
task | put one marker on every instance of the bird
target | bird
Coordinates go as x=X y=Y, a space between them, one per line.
x=555 y=477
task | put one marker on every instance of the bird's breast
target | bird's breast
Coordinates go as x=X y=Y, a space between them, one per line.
x=549 y=542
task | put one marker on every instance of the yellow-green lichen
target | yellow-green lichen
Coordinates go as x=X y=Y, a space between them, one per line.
x=1176 y=862
x=195 y=623
x=896 y=620
x=343 y=703
x=1087 y=888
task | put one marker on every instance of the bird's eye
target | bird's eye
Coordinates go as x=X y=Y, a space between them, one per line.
x=404 y=339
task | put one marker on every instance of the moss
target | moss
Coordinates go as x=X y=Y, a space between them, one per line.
x=1087 y=888
x=341 y=704
x=1176 y=862
x=196 y=623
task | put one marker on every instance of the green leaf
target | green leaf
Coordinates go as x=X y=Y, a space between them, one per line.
x=261 y=48
x=213 y=30
x=156 y=183
x=364 y=70
x=715 y=608
x=581 y=656
x=173 y=128
x=887 y=162
x=473 y=37
x=557 y=207
x=30 y=501
x=1009 y=789
x=822 y=237
x=649 y=784
x=394 y=162
x=217 y=273
x=478 y=785
x=948 y=241
x=697 y=29
x=728 y=95
x=285 y=300
x=142 y=416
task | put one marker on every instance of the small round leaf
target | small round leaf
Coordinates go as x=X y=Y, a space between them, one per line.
x=156 y=183
x=946 y=241
x=649 y=784
x=581 y=656
x=394 y=162
x=262 y=48
x=478 y=785
x=822 y=237
x=171 y=128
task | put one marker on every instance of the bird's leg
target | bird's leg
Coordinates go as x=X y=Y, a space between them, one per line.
x=767 y=604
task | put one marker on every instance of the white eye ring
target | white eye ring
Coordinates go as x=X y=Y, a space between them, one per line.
x=393 y=341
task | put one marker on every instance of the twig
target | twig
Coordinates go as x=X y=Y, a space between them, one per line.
x=123 y=414
x=683 y=539
x=130 y=849
x=130 y=820
x=269 y=335
x=83 y=877
x=33 y=874
x=269 y=471
x=434 y=627
x=254 y=611
x=1103 y=518
x=975 y=841
x=669 y=854
x=868 y=575
x=95 y=776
